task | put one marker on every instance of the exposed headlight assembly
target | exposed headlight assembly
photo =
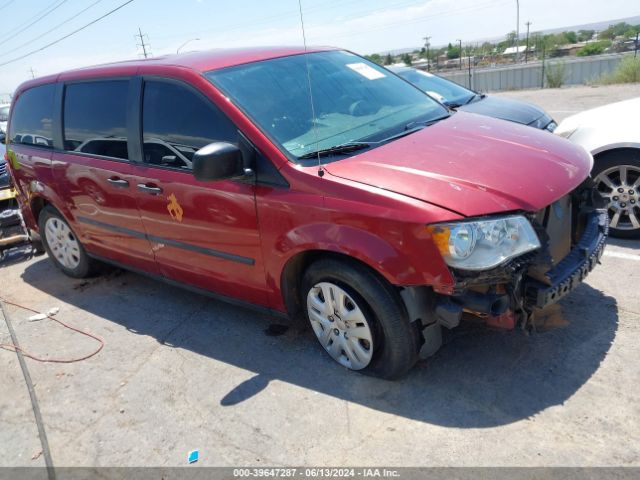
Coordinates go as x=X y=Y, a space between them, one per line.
x=484 y=244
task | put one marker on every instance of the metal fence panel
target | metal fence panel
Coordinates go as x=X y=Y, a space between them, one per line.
x=578 y=70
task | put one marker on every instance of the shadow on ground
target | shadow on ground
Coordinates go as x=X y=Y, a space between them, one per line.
x=480 y=378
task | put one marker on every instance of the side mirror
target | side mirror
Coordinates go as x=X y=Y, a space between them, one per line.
x=218 y=161
x=3 y=137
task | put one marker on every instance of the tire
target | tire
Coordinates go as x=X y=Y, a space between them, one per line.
x=74 y=262
x=390 y=349
x=614 y=171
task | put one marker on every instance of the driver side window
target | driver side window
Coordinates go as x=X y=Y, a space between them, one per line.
x=176 y=122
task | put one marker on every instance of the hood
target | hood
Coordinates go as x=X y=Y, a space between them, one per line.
x=473 y=165
x=620 y=113
x=506 y=109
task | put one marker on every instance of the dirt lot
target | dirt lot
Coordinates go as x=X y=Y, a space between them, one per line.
x=181 y=372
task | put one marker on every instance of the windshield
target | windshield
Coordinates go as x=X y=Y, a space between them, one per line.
x=427 y=82
x=4 y=114
x=353 y=100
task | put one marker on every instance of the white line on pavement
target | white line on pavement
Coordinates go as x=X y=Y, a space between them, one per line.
x=622 y=255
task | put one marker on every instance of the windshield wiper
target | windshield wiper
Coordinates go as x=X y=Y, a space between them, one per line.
x=474 y=97
x=336 y=150
x=412 y=126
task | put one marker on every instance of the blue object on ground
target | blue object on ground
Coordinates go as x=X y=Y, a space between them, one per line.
x=193 y=456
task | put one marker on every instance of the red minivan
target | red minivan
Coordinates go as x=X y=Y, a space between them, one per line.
x=307 y=183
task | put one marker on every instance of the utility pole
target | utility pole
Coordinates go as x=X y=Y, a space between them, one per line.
x=427 y=45
x=460 y=56
x=635 y=53
x=142 y=43
x=543 y=49
x=517 y=57
x=526 y=51
x=33 y=75
x=469 y=59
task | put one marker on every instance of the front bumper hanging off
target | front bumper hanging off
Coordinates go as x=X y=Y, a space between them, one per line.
x=572 y=269
x=514 y=291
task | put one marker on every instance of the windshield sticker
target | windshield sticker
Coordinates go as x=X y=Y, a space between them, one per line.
x=366 y=71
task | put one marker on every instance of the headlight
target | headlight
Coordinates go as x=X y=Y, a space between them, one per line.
x=542 y=122
x=565 y=133
x=484 y=244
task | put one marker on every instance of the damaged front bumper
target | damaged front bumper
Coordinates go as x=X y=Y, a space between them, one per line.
x=572 y=233
x=573 y=268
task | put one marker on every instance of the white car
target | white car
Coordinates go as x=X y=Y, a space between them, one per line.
x=612 y=135
x=4 y=116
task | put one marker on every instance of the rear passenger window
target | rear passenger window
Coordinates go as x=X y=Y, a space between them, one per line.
x=32 y=117
x=95 y=118
x=177 y=122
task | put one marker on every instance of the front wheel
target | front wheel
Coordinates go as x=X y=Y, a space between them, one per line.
x=359 y=319
x=62 y=244
x=617 y=178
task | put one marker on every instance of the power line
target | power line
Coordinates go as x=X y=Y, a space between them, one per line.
x=142 y=43
x=21 y=28
x=7 y=4
x=66 y=36
x=4 y=54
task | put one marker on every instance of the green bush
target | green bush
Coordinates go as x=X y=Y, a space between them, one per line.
x=555 y=73
x=594 y=48
x=627 y=71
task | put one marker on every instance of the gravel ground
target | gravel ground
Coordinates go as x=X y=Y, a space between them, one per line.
x=181 y=372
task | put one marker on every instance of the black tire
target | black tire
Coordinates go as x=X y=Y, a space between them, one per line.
x=613 y=159
x=396 y=341
x=85 y=267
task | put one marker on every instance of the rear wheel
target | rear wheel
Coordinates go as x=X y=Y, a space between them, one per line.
x=617 y=178
x=359 y=319
x=62 y=244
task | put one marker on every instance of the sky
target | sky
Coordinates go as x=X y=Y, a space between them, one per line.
x=363 y=26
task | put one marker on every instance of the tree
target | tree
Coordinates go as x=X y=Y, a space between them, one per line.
x=613 y=31
x=511 y=37
x=374 y=57
x=585 y=35
x=406 y=58
x=570 y=37
x=453 y=52
x=388 y=60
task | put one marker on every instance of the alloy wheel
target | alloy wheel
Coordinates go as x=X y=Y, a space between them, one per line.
x=619 y=185
x=63 y=243
x=340 y=325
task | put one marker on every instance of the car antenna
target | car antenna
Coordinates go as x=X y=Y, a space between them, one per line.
x=313 y=112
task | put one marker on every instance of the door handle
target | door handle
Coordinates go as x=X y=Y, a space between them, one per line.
x=118 y=182
x=150 y=189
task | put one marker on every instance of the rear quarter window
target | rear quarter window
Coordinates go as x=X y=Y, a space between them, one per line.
x=95 y=118
x=31 y=122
